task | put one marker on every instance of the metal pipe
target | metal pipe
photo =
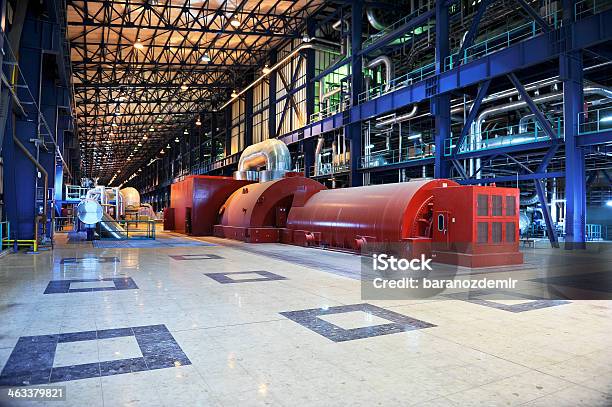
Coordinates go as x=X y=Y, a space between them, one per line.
x=271 y=153
x=374 y=22
x=398 y=119
x=323 y=98
x=317 y=170
x=476 y=135
x=388 y=64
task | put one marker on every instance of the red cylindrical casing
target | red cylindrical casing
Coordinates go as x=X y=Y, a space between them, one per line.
x=349 y=217
x=255 y=205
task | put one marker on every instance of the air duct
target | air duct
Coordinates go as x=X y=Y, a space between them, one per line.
x=272 y=154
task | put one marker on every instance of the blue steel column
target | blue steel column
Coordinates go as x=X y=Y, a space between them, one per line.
x=570 y=70
x=353 y=130
x=440 y=105
x=308 y=144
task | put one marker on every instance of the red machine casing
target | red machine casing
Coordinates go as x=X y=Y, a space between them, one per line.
x=196 y=200
x=476 y=226
x=256 y=213
x=169 y=219
x=348 y=218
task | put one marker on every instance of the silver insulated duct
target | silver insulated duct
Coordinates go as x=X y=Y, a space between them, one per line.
x=272 y=154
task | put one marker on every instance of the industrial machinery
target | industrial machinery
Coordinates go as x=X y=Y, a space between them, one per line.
x=195 y=201
x=107 y=211
x=473 y=226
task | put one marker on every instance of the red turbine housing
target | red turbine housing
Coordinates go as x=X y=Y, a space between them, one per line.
x=348 y=218
x=257 y=213
x=195 y=202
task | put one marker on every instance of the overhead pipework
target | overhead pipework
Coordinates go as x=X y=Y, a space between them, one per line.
x=271 y=154
x=388 y=67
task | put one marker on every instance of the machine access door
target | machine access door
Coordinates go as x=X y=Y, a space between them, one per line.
x=440 y=230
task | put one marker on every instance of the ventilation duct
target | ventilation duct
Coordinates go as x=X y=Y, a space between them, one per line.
x=272 y=154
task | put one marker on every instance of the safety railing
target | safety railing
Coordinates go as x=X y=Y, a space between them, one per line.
x=500 y=41
x=75 y=192
x=6 y=241
x=503 y=137
x=593 y=232
x=416 y=151
x=595 y=121
x=128 y=229
x=587 y=8
x=330 y=110
x=409 y=78
x=396 y=25
x=64 y=224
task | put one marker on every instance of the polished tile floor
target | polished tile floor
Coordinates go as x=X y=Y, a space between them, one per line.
x=228 y=324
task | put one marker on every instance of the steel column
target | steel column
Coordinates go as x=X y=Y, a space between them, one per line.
x=353 y=130
x=308 y=144
x=575 y=181
x=440 y=105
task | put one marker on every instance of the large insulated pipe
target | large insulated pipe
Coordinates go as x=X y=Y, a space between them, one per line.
x=272 y=154
x=386 y=62
x=317 y=169
x=131 y=197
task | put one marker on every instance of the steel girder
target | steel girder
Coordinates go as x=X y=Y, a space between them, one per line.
x=165 y=75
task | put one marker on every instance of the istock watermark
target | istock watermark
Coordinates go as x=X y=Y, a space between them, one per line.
x=384 y=262
x=398 y=271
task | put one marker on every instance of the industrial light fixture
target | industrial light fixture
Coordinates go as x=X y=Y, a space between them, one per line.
x=151 y=128
x=609 y=203
x=144 y=137
x=234 y=94
x=185 y=131
x=234 y=22
x=162 y=151
x=606 y=119
x=139 y=144
x=415 y=136
x=114 y=124
x=138 y=45
x=184 y=87
x=266 y=69
x=176 y=140
x=168 y=147
x=198 y=122
x=205 y=58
